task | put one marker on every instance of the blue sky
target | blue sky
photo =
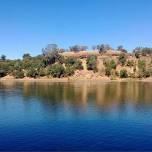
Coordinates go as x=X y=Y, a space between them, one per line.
x=29 y=25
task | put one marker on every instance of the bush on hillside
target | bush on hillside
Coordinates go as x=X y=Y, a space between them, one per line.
x=122 y=59
x=107 y=71
x=130 y=63
x=92 y=63
x=42 y=72
x=69 y=71
x=123 y=73
x=56 y=70
x=137 y=55
x=2 y=73
x=32 y=73
x=141 y=65
x=75 y=63
x=18 y=74
x=110 y=65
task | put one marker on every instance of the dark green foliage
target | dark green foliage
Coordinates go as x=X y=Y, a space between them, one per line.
x=78 y=48
x=92 y=63
x=69 y=71
x=56 y=70
x=110 y=65
x=2 y=73
x=122 y=59
x=120 y=48
x=26 y=56
x=143 y=51
x=147 y=74
x=130 y=63
x=123 y=73
x=75 y=63
x=70 y=61
x=32 y=73
x=42 y=72
x=108 y=71
x=18 y=74
x=103 y=47
x=137 y=55
x=3 y=57
x=142 y=70
x=4 y=67
x=113 y=64
x=141 y=65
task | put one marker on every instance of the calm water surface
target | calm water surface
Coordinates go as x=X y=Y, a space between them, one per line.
x=76 y=116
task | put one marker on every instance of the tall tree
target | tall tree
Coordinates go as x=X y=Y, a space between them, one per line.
x=26 y=56
x=121 y=48
x=103 y=47
x=3 y=57
x=51 y=54
x=78 y=48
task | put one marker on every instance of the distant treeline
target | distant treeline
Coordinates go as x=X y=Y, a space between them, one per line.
x=52 y=63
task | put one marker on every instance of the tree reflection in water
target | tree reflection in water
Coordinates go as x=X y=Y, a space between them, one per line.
x=101 y=95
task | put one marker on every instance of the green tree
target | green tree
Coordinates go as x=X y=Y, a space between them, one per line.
x=141 y=65
x=42 y=72
x=69 y=71
x=3 y=57
x=110 y=65
x=74 y=62
x=122 y=59
x=78 y=48
x=130 y=63
x=121 y=48
x=92 y=63
x=2 y=73
x=51 y=54
x=108 y=71
x=56 y=70
x=32 y=72
x=137 y=55
x=103 y=47
x=123 y=73
x=18 y=74
x=26 y=56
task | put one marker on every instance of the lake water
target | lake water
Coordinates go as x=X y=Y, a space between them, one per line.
x=76 y=116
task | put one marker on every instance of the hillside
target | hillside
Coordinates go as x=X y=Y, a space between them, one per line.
x=81 y=65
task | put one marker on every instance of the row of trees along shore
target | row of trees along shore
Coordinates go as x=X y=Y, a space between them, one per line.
x=52 y=63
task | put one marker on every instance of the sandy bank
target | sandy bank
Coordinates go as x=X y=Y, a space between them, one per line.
x=71 y=79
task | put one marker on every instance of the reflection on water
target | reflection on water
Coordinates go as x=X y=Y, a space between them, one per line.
x=75 y=116
x=102 y=95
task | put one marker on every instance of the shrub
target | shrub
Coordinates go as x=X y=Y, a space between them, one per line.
x=122 y=59
x=69 y=71
x=2 y=73
x=130 y=63
x=51 y=56
x=107 y=71
x=141 y=65
x=91 y=63
x=146 y=74
x=123 y=73
x=137 y=55
x=110 y=65
x=32 y=72
x=18 y=74
x=75 y=63
x=56 y=70
x=42 y=72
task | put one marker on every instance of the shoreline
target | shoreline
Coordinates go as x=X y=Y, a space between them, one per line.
x=62 y=80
